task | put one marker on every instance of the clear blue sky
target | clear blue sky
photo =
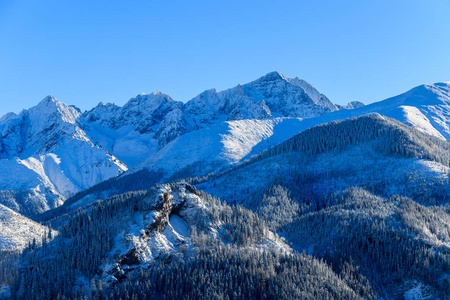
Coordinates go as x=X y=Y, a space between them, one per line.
x=83 y=52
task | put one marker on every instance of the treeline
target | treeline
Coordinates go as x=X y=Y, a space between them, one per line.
x=388 y=135
x=140 y=180
x=385 y=135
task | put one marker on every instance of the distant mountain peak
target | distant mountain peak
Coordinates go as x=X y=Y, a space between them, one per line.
x=352 y=105
x=272 y=76
x=154 y=96
x=49 y=98
x=155 y=93
x=10 y=115
x=48 y=102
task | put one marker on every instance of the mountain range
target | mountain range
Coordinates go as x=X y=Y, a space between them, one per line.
x=345 y=193
x=53 y=150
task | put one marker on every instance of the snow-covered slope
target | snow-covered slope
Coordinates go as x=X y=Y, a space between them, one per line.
x=53 y=150
x=272 y=95
x=147 y=123
x=47 y=157
x=17 y=231
x=426 y=107
x=222 y=144
x=338 y=155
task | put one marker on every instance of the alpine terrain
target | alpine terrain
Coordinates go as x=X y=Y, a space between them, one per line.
x=267 y=190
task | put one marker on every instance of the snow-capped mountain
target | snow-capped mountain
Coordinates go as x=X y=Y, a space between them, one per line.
x=52 y=151
x=351 y=105
x=272 y=95
x=130 y=132
x=426 y=107
x=39 y=129
x=47 y=157
x=141 y=112
x=140 y=133
x=147 y=123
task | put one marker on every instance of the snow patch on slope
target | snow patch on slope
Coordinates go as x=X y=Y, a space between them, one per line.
x=17 y=231
x=414 y=117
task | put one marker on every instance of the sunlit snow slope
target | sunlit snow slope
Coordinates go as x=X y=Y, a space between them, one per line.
x=45 y=157
x=51 y=151
x=16 y=231
x=426 y=107
x=222 y=144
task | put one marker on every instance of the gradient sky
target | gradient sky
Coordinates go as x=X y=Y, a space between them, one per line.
x=87 y=51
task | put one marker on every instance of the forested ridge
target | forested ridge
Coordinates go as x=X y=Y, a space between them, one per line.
x=226 y=267
x=386 y=135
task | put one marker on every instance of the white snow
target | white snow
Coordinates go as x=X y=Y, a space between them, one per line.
x=55 y=150
x=16 y=231
x=179 y=226
x=414 y=117
x=44 y=151
x=221 y=144
x=426 y=107
x=418 y=291
x=175 y=238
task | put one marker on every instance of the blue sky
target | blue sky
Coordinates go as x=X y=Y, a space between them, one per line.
x=83 y=52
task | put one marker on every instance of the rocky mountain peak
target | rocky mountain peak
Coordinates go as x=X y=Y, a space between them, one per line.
x=48 y=99
x=272 y=76
x=50 y=109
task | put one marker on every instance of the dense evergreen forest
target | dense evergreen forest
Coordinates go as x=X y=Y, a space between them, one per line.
x=224 y=267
